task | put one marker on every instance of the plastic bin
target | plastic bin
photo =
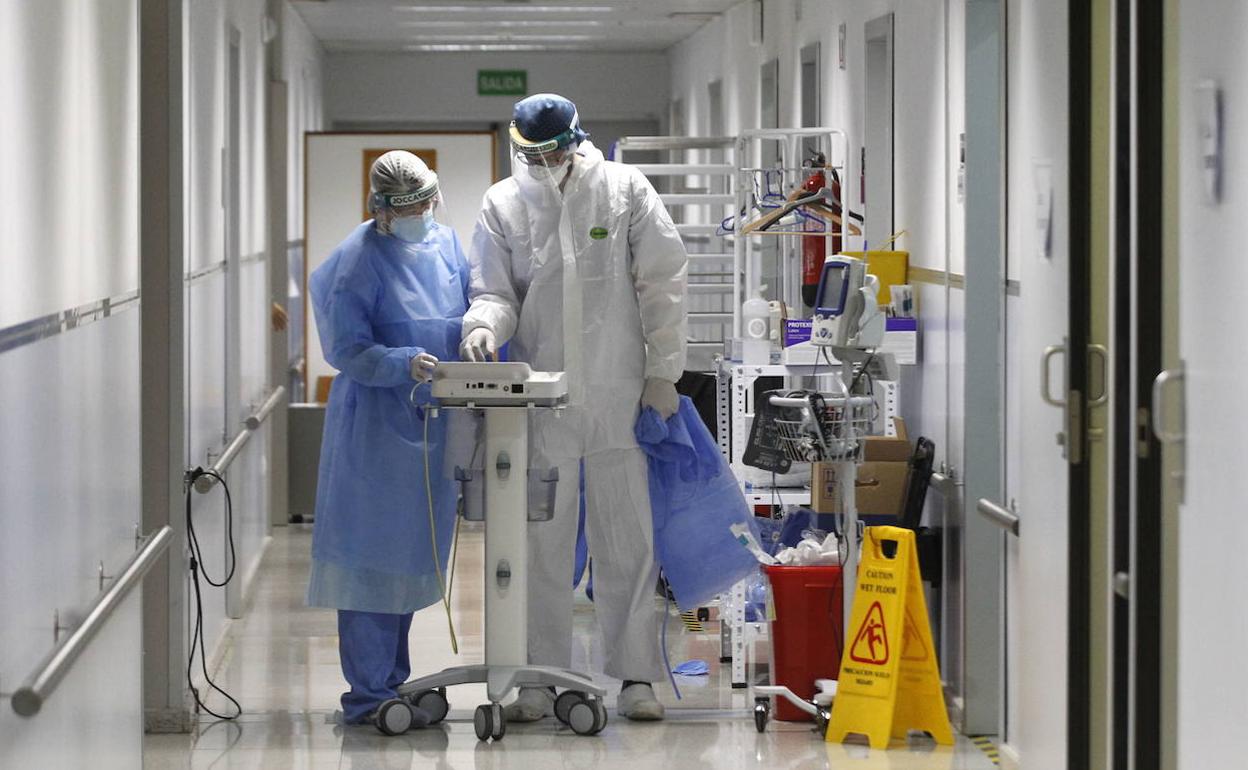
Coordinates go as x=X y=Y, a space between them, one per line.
x=806 y=634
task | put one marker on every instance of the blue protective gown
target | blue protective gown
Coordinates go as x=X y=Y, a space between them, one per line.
x=379 y=302
x=695 y=500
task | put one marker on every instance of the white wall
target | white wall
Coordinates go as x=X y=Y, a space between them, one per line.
x=442 y=87
x=303 y=71
x=69 y=402
x=218 y=398
x=69 y=154
x=928 y=114
x=336 y=190
x=722 y=50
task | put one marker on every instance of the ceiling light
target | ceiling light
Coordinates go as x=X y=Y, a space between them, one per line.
x=570 y=9
x=505 y=38
x=693 y=16
x=478 y=47
x=444 y=23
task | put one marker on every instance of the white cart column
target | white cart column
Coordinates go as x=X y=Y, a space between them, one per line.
x=506 y=547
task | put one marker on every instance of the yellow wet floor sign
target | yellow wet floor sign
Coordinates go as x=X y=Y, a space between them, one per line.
x=889 y=682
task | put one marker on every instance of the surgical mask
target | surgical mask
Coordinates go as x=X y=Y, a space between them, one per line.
x=412 y=229
x=551 y=175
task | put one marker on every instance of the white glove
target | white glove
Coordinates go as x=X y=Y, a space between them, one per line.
x=479 y=345
x=660 y=395
x=423 y=365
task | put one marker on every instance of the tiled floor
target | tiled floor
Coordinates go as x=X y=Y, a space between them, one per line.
x=282 y=665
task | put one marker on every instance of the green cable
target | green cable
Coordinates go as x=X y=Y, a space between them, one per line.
x=433 y=536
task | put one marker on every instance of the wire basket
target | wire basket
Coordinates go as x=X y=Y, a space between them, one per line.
x=818 y=428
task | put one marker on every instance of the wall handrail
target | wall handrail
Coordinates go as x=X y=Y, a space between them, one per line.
x=205 y=482
x=1003 y=518
x=256 y=420
x=40 y=685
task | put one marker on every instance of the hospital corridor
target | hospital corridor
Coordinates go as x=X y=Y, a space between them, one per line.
x=819 y=384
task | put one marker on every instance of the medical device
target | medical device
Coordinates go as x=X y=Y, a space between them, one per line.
x=506 y=393
x=847 y=311
x=497 y=384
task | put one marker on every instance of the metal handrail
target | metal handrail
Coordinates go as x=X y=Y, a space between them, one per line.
x=205 y=482
x=40 y=685
x=998 y=515
x=256 y=420
x=803 y=403
x=639 y=143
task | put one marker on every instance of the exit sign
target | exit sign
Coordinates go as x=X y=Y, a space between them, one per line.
x=502 y=82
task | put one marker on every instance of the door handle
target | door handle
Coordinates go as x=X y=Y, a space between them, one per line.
x=1045 y=367
x=1176 y=438
x=1004 y=518
x=1164 y=434
x=1070 y=439
x=1099 y=352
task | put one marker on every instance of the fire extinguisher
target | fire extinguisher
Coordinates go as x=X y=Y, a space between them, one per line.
x=814 y=246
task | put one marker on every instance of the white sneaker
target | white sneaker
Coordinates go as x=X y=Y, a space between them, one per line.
x=532 y=704
x=637 y=702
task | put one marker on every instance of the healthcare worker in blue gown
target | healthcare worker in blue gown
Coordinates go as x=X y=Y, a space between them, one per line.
x=389 y=303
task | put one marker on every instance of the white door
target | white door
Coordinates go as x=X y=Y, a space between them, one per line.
x=1213 y=529
x=1036 y=577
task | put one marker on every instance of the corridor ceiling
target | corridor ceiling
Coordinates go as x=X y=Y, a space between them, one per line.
x=506 y=25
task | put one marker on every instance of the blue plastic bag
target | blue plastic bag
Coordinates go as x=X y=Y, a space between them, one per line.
x=774 y=535
x=695 y=500
x=695 y=667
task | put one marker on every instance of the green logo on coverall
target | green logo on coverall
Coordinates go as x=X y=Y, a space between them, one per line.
x=598 y=233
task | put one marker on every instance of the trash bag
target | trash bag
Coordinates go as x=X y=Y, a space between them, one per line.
x=695 y=500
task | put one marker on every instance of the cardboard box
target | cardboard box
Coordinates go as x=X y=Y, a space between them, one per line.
x=881 y=485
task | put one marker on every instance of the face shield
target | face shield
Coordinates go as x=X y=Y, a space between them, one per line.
x=546 y=163
x=545 y=171
x=409 y=216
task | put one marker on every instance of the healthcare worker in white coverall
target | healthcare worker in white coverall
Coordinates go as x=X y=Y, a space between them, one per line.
x=576 y=262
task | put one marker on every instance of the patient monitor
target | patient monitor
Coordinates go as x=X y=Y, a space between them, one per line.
x=847 y=313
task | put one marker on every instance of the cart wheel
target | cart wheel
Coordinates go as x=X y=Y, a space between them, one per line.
x=584 y=719
x=821 y=720
x=483 y=722
x=393 y=717
x=564 y=703
x=600 y=712
x=762 y=712
x=500 y=723
x=433 y=703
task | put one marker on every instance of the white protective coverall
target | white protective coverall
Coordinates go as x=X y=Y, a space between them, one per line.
x=602 y=266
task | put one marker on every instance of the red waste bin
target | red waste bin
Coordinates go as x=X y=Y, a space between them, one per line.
x=806 y=636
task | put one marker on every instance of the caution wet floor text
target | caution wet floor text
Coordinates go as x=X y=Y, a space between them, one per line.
x=889 y=682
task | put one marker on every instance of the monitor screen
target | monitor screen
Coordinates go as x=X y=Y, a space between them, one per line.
x=833 y=288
